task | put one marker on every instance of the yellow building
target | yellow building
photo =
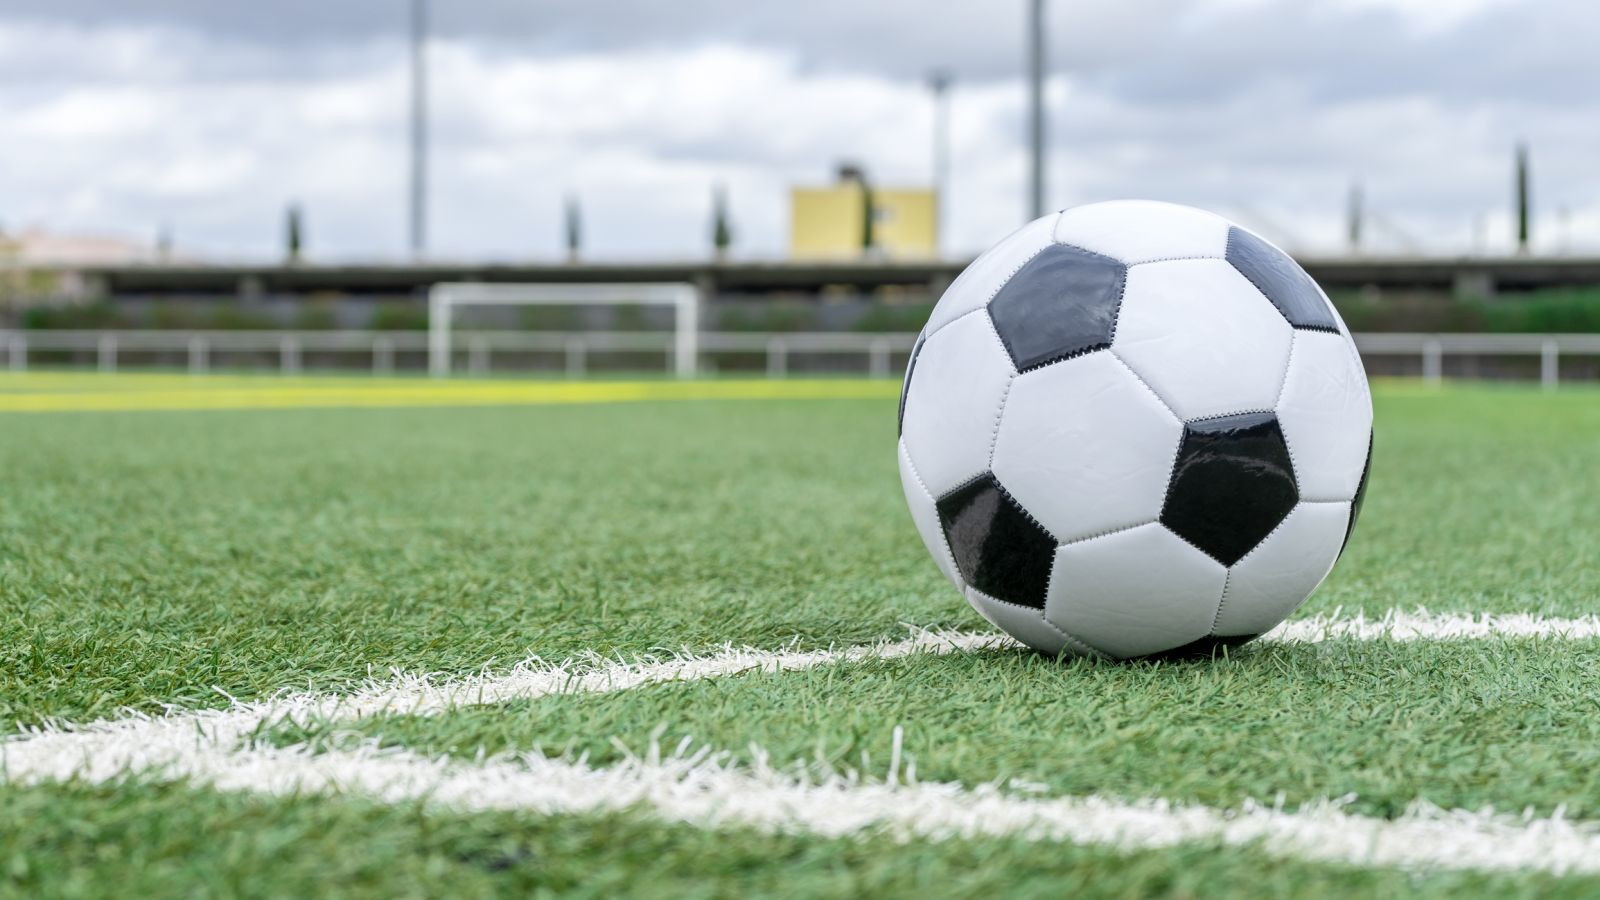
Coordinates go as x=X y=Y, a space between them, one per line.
x=827 y=222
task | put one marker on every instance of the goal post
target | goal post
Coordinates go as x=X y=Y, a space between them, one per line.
x=684 y=298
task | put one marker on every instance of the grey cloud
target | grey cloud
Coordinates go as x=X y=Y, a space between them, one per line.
x=1254 y=108
x=1146 y=50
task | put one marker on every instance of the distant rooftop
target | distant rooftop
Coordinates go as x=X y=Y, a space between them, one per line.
x=38 y=247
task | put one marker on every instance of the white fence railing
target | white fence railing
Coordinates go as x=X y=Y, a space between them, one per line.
x=775 y=352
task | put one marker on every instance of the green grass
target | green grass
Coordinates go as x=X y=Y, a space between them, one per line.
x=154 y=558
x=151 y=557
x=74 y=841
x=1509 y=724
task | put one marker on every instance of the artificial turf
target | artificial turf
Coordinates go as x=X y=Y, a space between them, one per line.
x=1509 y=724
x=164 y=840
x=153 y=558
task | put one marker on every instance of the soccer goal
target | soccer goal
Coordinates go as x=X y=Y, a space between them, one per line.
x=444 y=299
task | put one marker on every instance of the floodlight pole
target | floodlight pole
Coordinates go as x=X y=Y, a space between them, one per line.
x=939 y=83
x=1522 y=202
x=1036 y=66
x=419 y=128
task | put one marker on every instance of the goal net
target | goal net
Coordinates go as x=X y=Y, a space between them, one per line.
x=445 y=299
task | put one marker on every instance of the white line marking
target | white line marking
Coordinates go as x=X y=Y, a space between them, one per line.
x=101 y=750
x=1424 y=626
x=709 y=793
x=211 y=747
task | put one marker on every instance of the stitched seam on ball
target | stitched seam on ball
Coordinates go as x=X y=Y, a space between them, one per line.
x=1070 y=638
x=928 y=335
x=994 y=436
x=1065 y=356
x=944 y=539
x=1017 y=504
x=1162 y=259
x=1140 y=378
x=1263 y=292
x=1013 y=273
x=1259 y=411
x=1110 y=531
x=1122 y=294
x=1282 y=429
x=1096 y=253
x=1221 y=602
x=1261 y=543
x=1172 y=479
x=1004 y=281
x=967 y=482
x=1203 y=552
x=1288 y=366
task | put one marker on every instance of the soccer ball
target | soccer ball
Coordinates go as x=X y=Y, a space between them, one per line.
x=1134 y=428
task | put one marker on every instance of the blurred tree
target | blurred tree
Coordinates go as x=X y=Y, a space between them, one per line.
x=574 y=228
x=294 y=234
x=721 y=228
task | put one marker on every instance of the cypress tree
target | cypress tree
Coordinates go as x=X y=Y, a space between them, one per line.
x=574 y=226
x=294 y=233
x=721 y=228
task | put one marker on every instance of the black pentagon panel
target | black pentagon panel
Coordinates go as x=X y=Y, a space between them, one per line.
x=999 y=549
x=1233 y=482
x=1361 y=494
x=1282 y=280
x=1062 y=303
x=905 y=386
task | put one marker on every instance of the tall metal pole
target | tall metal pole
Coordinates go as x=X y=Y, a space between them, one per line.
x=419 y=129
x=1036 y=66
x=939 y=83
x=1522 y=200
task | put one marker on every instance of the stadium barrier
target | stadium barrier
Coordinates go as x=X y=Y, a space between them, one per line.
x=1549 y=358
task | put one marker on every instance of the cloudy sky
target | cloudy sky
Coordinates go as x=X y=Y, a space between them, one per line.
x=119 y=116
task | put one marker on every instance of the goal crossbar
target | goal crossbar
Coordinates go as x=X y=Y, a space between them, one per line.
x=684 y=298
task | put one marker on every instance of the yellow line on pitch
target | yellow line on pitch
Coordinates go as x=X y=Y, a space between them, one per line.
x=419 y=394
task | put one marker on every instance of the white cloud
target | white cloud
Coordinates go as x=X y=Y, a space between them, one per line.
x=1233 y=106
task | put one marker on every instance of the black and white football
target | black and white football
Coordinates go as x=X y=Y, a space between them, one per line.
x=1134 y=428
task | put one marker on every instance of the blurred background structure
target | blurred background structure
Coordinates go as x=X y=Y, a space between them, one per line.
x=187 y=167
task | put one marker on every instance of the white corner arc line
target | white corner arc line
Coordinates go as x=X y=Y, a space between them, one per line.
x=118 y=745
x=100 y=750
x=708 y=793
x=109 y=747
x=206 y=745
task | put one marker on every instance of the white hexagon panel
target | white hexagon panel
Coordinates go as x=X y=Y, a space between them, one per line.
x=1022 y=622
x=1272 y=580
x=1203 y=337
x=1326 y=414
x=952 y=403
x=1137 y=231
x=1134 y=592
x=1085 y=448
